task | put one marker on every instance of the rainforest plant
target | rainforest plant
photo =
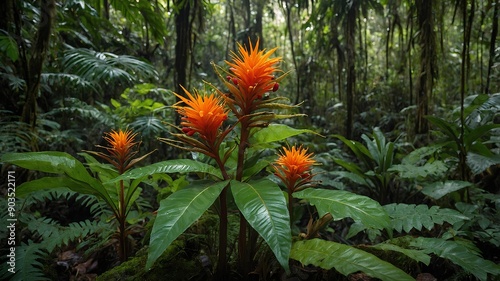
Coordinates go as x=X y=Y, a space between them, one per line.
x=118 y=195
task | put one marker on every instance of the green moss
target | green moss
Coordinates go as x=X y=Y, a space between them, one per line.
x=172 y=265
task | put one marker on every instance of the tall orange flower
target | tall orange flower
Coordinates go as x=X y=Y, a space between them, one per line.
x=201 y=114
x=253 y=73
x=293 y=167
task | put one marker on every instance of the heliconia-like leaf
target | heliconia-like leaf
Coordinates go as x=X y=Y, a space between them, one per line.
x=55 y=162
x=345 y=259
x=177 y=212
x=264 y=206
x=277 y=132
x=170 y=166
x=343 y=204
x=405 y=217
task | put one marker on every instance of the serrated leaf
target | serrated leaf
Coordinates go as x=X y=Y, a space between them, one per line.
x=437 y=190
x=411 y=171
x=410 y=216
x=342 y=204
x=177 y=212
x=345 y=259
x=459 y=254
x=265 y=208
x=277 y=132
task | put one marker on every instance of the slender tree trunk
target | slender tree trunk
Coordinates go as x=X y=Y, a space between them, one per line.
x=351 y=69
x=427 y=64
x=182 y=45
x=48 y=12
x=491 y=60
x=288 y=11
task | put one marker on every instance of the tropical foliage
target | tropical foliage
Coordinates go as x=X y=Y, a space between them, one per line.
x=250 y=140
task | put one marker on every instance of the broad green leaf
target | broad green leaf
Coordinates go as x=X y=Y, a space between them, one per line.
x=345 y=259
x=263 y=205
x=277 y=132
x=458 y=253
x=170 y=166
x=342 y=204
x=60 y=163
x=359 y=150
x=409 y=216
x=446 y=127
x=177 y=212
x=471 y=136
x=436 y=190
x=411 y=171
x=416 y=255
x=479 y=163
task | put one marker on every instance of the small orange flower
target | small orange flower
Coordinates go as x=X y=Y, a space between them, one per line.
x=293 y=167
x=253 y=74
x=120 y=149
x=201 y=114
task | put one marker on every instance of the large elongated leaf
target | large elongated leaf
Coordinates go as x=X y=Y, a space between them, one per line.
x=458 y=253
x=177 y=212
x=264 y=206
x=345 y=259
x=59 y=163
x=170 y=166
x=277 y=132
x=342 y=204
x=417 y=255
x=409 y=216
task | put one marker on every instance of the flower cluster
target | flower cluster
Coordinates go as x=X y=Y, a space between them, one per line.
x=252 y=71
x=293 y=167
x=201 y=114
x=121 y=148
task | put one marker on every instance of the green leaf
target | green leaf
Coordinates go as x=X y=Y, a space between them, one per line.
x=265 y=208
x=416 y=255
x=345 y=259
x=342 y=204
x=59 y=163
x=409 y=216
x=459 y=254
x=177 y=212
x=479 y=163
x=9 y=46
x=412 y=171
x=436 y=190
x=277 y=132
x=170 y=166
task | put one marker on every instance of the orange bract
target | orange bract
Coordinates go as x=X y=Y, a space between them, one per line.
x=293 y=166
x=201 y=114
x=120 y=149
x=253 y=73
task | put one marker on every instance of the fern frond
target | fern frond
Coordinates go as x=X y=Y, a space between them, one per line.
x=405 y=217
x=28 y=266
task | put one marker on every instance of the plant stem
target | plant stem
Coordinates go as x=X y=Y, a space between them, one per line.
x=221 y=271
x=123 y=253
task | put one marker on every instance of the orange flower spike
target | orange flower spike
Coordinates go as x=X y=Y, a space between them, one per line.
x=201 y=114
x=253 y=73
x=293 y=166
x=120 y=148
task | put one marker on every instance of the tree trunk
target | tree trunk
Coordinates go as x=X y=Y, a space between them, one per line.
x=182 y=45
x=351 y=69
x=494 y=33
x=428 y=67
x=48 y=12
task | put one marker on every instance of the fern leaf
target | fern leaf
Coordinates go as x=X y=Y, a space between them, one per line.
x=463 y=255
x=345 y=259
x=405 y=217
x=28 y=266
